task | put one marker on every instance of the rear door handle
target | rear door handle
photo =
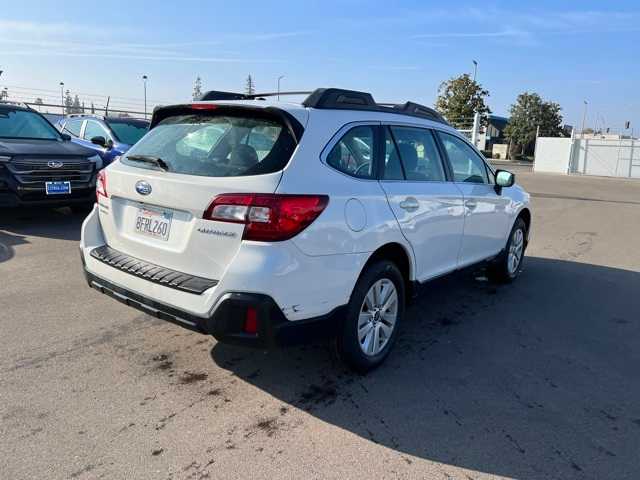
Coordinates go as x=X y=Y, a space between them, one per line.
x=471 y=204
x=409 y=204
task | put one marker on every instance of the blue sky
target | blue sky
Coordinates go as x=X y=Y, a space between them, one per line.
x=565 y=51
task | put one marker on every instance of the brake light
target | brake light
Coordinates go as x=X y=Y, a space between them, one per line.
x=203 y=106
x=268 y=217
x=101 y=185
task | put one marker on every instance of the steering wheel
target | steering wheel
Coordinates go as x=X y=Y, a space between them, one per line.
x=366 y=166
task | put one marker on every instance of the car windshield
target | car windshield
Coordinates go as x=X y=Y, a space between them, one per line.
x=128 y=131
x=18 y=123
x=215 y=145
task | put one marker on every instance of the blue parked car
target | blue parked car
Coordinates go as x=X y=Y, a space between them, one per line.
x=109 y=137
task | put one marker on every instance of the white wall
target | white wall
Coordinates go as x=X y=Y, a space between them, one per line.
x=552 y=155
x=606 y=157
x=588 y=156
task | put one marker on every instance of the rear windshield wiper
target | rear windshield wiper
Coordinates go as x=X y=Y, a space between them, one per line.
x=157 y=161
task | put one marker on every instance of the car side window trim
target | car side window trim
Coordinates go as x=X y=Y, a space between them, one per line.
x=339 y=135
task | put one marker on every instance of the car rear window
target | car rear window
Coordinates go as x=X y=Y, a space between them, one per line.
x=216 y=145
x=128 y=131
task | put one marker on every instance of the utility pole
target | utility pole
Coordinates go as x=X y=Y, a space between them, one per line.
x=279 y=78
x=144 y=79
x=584 y=117
x=475 y=70
x=62 y=97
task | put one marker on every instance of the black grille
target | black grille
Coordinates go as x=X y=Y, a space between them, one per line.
x=33 y=172
x=153 y=273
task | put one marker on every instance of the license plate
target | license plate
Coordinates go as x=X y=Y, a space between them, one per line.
x=153 y=222
x=57 y=188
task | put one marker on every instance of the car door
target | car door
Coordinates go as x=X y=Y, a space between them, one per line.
x=486 y=217
x=428 y=207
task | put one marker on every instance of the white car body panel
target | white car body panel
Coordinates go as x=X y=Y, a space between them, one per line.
x=314 y=272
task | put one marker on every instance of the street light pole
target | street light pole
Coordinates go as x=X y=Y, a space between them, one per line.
x=584 y=117
x=279 y=78
x=475 y=70
x=144 y=79
x=62 y=97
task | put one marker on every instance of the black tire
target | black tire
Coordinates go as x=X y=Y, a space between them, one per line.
x=499 y=270
x=347 y=343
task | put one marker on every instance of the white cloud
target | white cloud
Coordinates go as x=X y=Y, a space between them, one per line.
x=73 y=40
x=163 y=58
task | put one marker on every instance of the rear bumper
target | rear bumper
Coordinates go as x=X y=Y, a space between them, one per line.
x=10 y=199
x=227 y=321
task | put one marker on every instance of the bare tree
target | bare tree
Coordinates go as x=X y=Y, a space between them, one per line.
x=250 y=87
x=197 y=88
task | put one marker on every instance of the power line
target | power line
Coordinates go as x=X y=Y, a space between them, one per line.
x=56 y=92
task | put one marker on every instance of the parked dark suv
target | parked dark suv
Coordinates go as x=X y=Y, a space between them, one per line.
x=41 y=166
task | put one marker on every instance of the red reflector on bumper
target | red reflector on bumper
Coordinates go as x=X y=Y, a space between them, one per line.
x=251 y=321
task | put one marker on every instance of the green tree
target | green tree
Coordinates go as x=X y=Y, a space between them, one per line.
x=528 y=113
x=459 y=98
x=77 y=108
x=68 y=102
x=197 y=89
x=250 y=87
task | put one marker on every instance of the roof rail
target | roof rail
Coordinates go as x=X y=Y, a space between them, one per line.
x=72 y=115
x=410 y=108
x=338 y=98
x=341 y=99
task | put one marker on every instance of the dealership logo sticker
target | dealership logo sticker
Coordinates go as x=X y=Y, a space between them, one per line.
x=143 y=188
x=54 y=164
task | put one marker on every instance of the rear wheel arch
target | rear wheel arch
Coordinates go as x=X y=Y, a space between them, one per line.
x=399 y=255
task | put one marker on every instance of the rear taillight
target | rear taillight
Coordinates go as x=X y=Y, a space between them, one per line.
x=101 y=185
x=268 y=217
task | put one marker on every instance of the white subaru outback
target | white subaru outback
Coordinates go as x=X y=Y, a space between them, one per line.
x=266 y=223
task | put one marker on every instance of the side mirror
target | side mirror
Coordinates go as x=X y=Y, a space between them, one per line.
x=99 y=141
x=66 y=137
x=505 y=179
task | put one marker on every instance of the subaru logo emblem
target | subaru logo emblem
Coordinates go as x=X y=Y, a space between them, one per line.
x=143 y=188
x=54 y=164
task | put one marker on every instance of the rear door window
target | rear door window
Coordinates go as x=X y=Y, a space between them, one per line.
x=353 y=154
x=216 y=145
x=419 y=154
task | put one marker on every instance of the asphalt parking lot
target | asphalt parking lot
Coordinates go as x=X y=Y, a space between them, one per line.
x=533 y=380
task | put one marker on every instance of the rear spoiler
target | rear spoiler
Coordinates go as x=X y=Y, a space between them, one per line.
x=293 y=125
